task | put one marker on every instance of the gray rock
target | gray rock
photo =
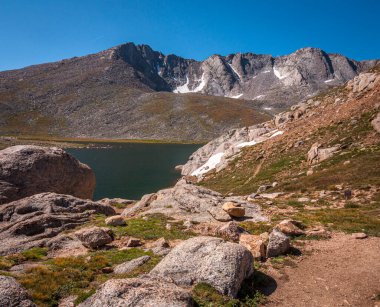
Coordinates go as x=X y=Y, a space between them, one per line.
x=139 y=292
x=190 y=202
x=116 y=220
x=12 y=294
x=26 y=170
x=133 y=242
x=160 y=247
x=223 y=265
x=263 y=188
x=219 y=214
x=290 y=227
x=318 y=154
x=230 y=231
x=279 y=244
x=94 y=237
x=129 y=266
x=67 y=244
x=34 y=220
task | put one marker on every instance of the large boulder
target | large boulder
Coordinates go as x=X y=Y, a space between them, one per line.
x=139 y=292
x=223 y=265
x=12 y=294
x=26 y=170
x=94 y=237
x=186 y=201
x=33 y=220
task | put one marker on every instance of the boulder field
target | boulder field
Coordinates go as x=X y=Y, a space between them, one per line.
x=36 y=214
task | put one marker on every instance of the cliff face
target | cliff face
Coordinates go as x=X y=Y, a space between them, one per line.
x=118 y=93
x=281 y=81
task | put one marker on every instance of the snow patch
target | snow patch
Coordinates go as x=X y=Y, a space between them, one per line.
x=158 y=68
x=201 y=85
x=245 y=144
x=258 y=97
x=235 y=71
x=267 y=108
x=276 y=133
x=215 y=159
x=278 y=74
x=236 y=96
x=183 y=88
x=265 y=72
x=210 y=164
x=329 y=80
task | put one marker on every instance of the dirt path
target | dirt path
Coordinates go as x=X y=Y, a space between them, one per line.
x=342 y=271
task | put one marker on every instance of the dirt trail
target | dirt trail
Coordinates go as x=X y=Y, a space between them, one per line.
x=342 y=271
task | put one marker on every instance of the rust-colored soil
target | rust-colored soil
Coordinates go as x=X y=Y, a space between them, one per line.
x=342 y=271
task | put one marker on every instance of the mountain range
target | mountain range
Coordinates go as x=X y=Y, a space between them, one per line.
x=133 y=92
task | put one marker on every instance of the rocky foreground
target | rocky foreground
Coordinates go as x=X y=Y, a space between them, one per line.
x=266 y=214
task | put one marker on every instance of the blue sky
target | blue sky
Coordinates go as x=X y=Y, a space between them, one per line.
x=37 y=31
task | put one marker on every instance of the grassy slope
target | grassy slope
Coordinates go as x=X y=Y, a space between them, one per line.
x=280 y=161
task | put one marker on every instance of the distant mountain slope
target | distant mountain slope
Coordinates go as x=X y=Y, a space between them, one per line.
x=281 y=81
x=124 y=92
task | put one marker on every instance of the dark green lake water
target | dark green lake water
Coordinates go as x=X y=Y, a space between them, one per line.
x=131 y=170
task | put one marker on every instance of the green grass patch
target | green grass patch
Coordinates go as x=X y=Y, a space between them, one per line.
x=295 y=204
x=150 y=228
x=60 y=277
x=35 y=253
x=350 y=220
x=205 y=295
x=256 y=228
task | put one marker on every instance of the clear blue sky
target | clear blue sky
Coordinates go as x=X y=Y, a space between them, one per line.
x=37 y=31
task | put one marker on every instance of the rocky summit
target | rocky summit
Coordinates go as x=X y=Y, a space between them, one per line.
x=133 y=92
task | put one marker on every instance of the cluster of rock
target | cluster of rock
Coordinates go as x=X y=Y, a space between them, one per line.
x=363 y=82
x=296 y=111
x=39 y=220
x=35 y=220
x=186 y=201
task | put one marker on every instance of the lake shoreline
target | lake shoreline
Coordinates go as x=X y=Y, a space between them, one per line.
x=132 y=170
x=64 y=142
